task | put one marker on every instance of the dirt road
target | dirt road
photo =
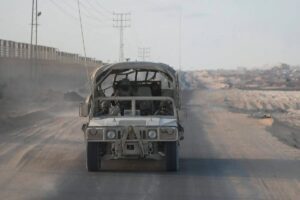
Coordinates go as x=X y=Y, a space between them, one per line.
x=224 y=156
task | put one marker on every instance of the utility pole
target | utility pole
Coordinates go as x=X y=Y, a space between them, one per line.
x=31 y=25
x=144 y=53
x=34 y=39
x=121 y=21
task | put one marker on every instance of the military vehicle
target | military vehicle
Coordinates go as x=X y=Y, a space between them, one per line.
x=133 y=113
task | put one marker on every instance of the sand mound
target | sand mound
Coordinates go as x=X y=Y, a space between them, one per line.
x=278 y=109
x=290 y=117
x=286 y=132
x=48 y=96
x=271 y=101
x=23 y=121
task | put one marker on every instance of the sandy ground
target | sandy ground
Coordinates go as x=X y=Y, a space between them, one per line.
x=255 y=100
x=225 y=155
x=282 y=106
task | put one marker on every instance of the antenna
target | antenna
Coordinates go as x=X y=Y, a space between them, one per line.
x=143 y=53
x=121 y=21
x=180 y=40
x=179 y=55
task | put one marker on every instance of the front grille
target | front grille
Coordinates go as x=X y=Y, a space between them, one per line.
x=166 y=136
x=139 y=130
x=98 y=136
x=132 y=122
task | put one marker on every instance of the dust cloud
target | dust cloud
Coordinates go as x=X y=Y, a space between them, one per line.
x=26 y=99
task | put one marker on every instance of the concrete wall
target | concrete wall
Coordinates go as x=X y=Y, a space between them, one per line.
x=51 y=74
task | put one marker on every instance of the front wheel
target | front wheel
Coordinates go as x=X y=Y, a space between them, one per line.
x=172 y=157
x=93 y=156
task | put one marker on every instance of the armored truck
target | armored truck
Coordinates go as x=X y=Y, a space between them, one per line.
x=133 y=113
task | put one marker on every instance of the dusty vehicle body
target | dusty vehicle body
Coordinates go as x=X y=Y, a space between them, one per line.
x=133 y=114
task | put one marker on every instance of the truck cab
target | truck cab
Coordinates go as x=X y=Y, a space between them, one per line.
x=132 y=113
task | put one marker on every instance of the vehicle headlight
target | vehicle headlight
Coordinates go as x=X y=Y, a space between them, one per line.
x=171 y=131
x=152 y=134
x=168 y=133
x=92 y=131
x=111 y=134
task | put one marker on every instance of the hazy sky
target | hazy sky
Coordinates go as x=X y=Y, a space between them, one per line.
x=215 y=33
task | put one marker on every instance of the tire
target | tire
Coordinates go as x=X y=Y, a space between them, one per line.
x=93 y=156
x=172 y=157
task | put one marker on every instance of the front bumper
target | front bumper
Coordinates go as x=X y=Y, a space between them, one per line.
x=131 y=134
x=132 y=141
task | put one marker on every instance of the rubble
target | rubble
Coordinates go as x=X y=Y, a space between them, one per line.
x=261 y=115
x=282 y=77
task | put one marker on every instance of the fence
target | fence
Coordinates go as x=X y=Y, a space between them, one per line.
x=11 y=49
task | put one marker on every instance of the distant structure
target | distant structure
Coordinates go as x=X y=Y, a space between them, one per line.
x=121 y=21
x=143 y=53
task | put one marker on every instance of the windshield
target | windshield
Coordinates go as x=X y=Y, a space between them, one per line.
x=139 y=106
x=132 y=82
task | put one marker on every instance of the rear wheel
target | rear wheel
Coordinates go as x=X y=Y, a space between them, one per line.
x=172 y=157
x=93 y=156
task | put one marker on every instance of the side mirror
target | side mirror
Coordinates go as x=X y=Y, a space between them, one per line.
x=83 y=110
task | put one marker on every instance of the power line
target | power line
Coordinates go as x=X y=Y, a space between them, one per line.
x=103 y=8
x=91 y=15
x=67 y=13
x=86 y=13
x=121 y=21
x=72 y=7
x=63 y=10
x=83 y=45
x=98 y=11
x=144 y=53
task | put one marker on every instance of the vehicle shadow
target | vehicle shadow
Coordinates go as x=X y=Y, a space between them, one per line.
x=250 y=168
x=212 y=167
